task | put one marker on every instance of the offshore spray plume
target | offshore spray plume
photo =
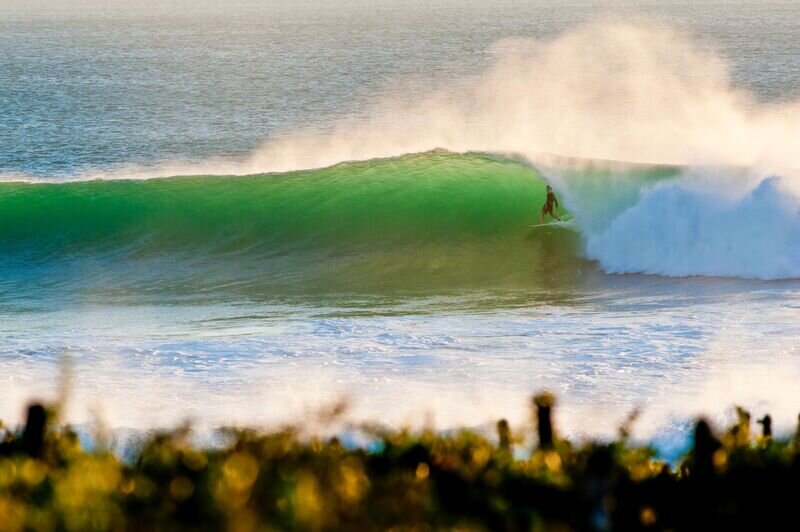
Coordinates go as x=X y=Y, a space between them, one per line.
x=622 y=91
x=633 y=91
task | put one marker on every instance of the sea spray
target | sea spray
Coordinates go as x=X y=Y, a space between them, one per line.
x=637 y=90
x=629 y=91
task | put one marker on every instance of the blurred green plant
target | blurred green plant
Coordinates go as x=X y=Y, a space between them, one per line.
x=402 y=480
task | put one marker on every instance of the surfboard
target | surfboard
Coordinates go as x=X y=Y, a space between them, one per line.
x=564 y=224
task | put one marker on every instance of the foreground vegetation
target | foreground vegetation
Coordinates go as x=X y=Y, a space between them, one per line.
x=400 y=480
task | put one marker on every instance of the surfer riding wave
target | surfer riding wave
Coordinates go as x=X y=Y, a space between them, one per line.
x=547 y=208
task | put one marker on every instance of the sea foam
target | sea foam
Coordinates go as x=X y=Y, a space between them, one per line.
x=682 y=229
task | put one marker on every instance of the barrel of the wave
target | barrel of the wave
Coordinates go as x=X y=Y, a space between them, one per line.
x=437 y=217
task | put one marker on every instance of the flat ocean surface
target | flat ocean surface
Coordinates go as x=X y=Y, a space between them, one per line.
x=241 y=213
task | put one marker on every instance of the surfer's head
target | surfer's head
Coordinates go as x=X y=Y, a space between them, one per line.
x=549 y=188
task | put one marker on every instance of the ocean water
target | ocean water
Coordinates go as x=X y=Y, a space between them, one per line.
x=242 y=213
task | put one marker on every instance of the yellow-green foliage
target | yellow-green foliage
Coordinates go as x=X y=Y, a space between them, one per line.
x=401 y=480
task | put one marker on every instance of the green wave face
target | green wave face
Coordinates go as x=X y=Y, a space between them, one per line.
x=434 y=219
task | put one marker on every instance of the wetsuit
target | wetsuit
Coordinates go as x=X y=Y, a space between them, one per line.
x=548 y=205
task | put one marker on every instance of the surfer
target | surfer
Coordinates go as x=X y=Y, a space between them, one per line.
x=547 y=208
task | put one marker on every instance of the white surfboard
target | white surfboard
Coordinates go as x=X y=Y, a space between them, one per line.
x=562 y=224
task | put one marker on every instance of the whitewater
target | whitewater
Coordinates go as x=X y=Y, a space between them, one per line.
x=380 y=249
